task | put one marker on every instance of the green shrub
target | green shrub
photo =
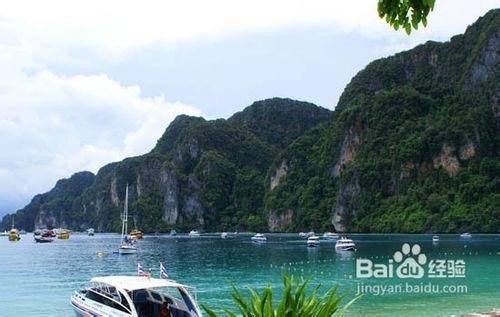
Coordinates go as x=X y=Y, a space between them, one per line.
x=295 y=301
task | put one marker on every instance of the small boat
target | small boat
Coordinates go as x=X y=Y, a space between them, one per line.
x=90 y=231
x=345 y=244
x=224 y=235
x=259 y=238
x=40 y=239
x=63 y=234
x=5 y=233
x=330 y=236
x=14 y=233
x=310 y=234
x=136 y=233
x=134 y=296
x=126 y=244
x=313 y=242
x=435 y=239
x=173 y=233
x=194 y=234
x=466 y=235
x=302 y=234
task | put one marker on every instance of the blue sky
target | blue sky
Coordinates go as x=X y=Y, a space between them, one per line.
x=82 y=87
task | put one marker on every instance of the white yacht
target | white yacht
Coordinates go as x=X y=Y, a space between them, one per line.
x=127 y=245
x=435 y=239
x=345 y=244
x=91 y=231
x=194 y=234
x=224 y=235
x=310 y=234
x=466 y=235
x=302 y=234
x=330 y=236
x=5 y=233
x=313 y=241
x=134 y=296
x=259 y=238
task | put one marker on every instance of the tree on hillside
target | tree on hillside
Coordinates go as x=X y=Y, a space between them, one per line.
x=406 y=14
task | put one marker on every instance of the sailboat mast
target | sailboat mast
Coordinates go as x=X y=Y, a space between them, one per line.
x=126 y=210
x=125 y=214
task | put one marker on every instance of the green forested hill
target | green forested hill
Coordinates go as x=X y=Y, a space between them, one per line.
x=412 y=146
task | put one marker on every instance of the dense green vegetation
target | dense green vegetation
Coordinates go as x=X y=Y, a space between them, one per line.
x=412 y=146
x=295 y=301
x=427 y=158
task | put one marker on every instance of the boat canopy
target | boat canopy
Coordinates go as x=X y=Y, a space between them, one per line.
x=133 y=283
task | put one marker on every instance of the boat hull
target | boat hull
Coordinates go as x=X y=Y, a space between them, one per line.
x=127 y=250
x=89 y=308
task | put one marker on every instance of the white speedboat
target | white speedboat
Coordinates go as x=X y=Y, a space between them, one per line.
x=224 y=235
x=313 y=241
x=435 y=239
x=302 y=234
x=134 y=296
x=5 y=233
x=345 y=244
x=259 y=238
x=173 y=233
x=127 y=245
x=90 y=231
x=194 y=234
x=466 y=235
x=310 y=234
x=330 y=236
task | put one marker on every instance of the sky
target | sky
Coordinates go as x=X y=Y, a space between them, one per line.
x=85 y=83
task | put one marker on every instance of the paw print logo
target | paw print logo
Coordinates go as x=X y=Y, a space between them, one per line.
x=411 y=261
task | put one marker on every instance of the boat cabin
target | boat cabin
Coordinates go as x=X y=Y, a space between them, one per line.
x=135 y=296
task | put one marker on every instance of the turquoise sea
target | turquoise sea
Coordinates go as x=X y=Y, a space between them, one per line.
x=38 y=279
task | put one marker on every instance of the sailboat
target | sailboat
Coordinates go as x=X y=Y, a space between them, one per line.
x=14 y=233
x=126 y=246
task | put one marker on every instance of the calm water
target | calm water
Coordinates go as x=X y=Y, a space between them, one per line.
x=38 y=279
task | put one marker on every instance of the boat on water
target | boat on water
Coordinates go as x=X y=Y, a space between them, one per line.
x=14 y=233
x=41 y=239
x=313 y=241
x=90 y=231
x=134 y=296
x=224 y=235
x=345 y=244
x=330 y=236
x=259 y=238
x=466 y=235
x=137 y=234
x=194 y=234
x=302 y=234
x=310 y=234
x=173 y=233
x=435 y=239
x=5 y=233
x=127 y=245
x=63 y=234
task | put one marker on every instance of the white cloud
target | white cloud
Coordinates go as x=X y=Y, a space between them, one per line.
x=115 y=28
x=53 y=126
